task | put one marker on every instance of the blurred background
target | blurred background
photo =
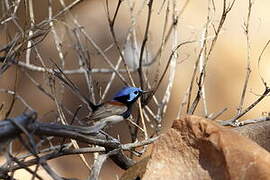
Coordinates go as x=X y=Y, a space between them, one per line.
x=225 y=71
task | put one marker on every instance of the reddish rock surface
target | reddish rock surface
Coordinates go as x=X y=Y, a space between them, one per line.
x=197 y=148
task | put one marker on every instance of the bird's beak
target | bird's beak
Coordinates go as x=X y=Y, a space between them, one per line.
x=145 y=92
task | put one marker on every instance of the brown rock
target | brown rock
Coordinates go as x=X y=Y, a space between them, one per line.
x=258 y=132
x=197 y=148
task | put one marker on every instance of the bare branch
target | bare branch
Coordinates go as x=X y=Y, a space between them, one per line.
x=234 y=121
x=98 y=164
x=259 y=61
x=146 y=33
x=248 y=68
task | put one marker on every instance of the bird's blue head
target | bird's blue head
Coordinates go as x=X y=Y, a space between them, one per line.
x=128 y=95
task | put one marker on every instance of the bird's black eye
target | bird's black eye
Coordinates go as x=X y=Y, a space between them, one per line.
x=136 y=92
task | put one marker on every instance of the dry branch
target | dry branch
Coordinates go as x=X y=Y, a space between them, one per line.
x=90 y=135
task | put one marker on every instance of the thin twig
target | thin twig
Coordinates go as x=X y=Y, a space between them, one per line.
x=146 y=101
x=259 y=61
x=202 y=74
x=167 y=94
x=146 y=34
x=248 y=68
x=252 y=121
x=17 y=96
x=216 y=115
x=111 y=25
x=32 y=22
x=98 y=164
x=233 y=120
x=49 y=170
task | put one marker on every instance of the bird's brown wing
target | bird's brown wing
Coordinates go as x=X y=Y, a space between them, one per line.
x=108 y=109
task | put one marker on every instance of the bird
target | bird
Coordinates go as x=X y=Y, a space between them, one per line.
x=117 y=109
x=109 y=112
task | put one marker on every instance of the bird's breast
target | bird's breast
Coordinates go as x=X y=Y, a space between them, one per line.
x=125 y=114
x=113 y=119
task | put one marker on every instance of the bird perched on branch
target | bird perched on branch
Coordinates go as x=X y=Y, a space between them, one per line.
x=110 y=112
x=118 y=109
